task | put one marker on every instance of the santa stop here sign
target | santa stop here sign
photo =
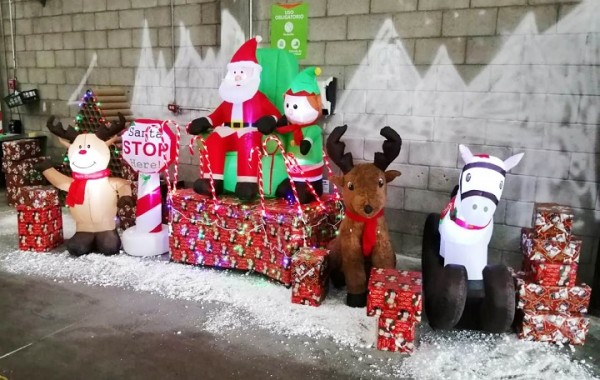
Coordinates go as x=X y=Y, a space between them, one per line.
x=149 y=145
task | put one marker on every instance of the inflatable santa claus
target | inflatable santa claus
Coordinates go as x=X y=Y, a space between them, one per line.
x=236 y=122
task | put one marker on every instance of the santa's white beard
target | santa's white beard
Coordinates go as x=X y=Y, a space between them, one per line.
x=232 y=93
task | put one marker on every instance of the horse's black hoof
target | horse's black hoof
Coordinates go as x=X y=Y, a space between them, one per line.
x=498 y=307
x=446 y=297
x=356 y=300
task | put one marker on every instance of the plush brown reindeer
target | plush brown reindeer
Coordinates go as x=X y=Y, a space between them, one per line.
x=363 y=240
x=92 y=194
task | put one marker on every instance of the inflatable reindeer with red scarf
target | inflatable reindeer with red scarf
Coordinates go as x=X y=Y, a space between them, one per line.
x=93 y=196
x=363 y=240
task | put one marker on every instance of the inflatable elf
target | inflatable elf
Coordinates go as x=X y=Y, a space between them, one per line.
x=301 y=136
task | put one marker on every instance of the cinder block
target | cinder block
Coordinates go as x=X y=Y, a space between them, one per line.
x=586 y=222
x=44 y=59
x=544 y=163
x=492 y=105
x=345 y=52
x=424 y=201
x=408 y=222
x=470 y=22
x=418 y=24
x=510 y=17
x=211 y=13
x=584 y=166
x=425 y=5
x=443 y=179
x=64 y=58
x=33 y=9
x=354 y=145
x=74 y=75
x=84 y=21
x=519 y=188
x=61 y=23
x=95 y=40
x=55 y=76
x=439 y=103
x=107 y=20
x=130 y=57
x=413 y=176
x=572 y=138
x=36 y=76
x=392 y=6
x=158 y=17
x=345 y=7
x=73 y=40
x=589 y=251
x=460 y=130
x=395 y=197
x=144 y=3
x=364 y=123
x=204 y=35
x=389 y=102
x=119 y=38
x=433 y=154
x=94 y=5
x=352 y=101
x=519 y=213
x=426 y=49
x=500 y=213
x=515 y=134
x=115 y=5
x=64 y=93
x=496 y=3
x=572 y=79
x=24 y=27
x=502 y=152
x=122 y=76
x=164 y=36
x=365 y=27
x=414 y=128
x=48 y=91
x=19 y=43
x=327 y=29
x=573 y=48
x=109 y=58
x=572 y=193
x=512 y=259
x=26 y=59
x=589 y=110
x=506 y=237
x=190 y=14
x=132 y=19
x=412 y=246
x=481 y=50
x=53 y=41
x=315 y=55
x=34 y=42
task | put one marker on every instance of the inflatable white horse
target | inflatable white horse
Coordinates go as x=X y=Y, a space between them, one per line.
x=455 y=250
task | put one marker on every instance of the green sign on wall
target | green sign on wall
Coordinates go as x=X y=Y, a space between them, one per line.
x=289 y=28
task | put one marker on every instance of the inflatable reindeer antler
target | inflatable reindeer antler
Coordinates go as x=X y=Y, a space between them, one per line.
x=335 y=150
x=391 y=148
x=57 y=129
x=114 y=129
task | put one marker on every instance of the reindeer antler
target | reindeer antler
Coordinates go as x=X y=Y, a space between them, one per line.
x=57 y=129
x=335 y=150
x=105 y=133
x=391 y=148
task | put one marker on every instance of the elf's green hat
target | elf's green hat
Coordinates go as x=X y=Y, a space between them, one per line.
x=305 y=83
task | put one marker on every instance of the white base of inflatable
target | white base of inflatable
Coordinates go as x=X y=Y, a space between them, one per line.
x=145 y=243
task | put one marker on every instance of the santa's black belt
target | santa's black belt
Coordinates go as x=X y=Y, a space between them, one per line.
x=236 y=124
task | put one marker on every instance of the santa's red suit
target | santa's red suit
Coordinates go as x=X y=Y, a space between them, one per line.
x=235 y=131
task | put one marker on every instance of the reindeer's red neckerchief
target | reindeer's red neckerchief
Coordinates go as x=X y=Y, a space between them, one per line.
x=76 y=194
x=461 y=223
x=369 y=234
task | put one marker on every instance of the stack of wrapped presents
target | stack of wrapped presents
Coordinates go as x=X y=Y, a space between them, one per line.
x=553 y=305
x=18 y=160
x=228 y=233
x=309 y=276
x=39 y=218
x=395 y=298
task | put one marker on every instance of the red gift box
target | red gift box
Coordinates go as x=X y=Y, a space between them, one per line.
x=555 y=250
x=393 y=292
x=41 y=243
x=21 y=149
x=21 y=167
x=38 y=215
x=395 y=335
x=557 y=328
x=309 y=266
x=551 y=220
x=553 y=274
x=562 y=299
x=240 y=232
x=37 y=196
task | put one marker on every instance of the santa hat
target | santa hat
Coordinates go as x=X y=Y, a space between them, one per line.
x=246 y=54
x=305 y=83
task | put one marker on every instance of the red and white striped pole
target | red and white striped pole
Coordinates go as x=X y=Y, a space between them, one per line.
x=148 y=213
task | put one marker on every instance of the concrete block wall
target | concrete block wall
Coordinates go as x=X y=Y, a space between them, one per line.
x=503 y=76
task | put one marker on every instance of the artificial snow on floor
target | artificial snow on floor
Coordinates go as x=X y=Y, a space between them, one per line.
x=251 y=301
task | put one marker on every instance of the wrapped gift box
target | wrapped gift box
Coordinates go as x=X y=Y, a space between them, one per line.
x=395 y=335
x=22 y=167
x=557 y=328
x=39 y=229
x=37 y=196
x=393 y=292
x=309 y=276
x=233 y=234
x=21 y=149
x=555 y=250
x=551 y=220
x=562 y=299
x=553 y=274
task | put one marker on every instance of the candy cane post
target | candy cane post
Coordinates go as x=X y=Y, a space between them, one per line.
x=149 y=146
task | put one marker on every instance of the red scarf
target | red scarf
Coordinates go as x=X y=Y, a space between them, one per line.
x=296 y=129
x=76 y=193
x=462 y=223
x=369 y=234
